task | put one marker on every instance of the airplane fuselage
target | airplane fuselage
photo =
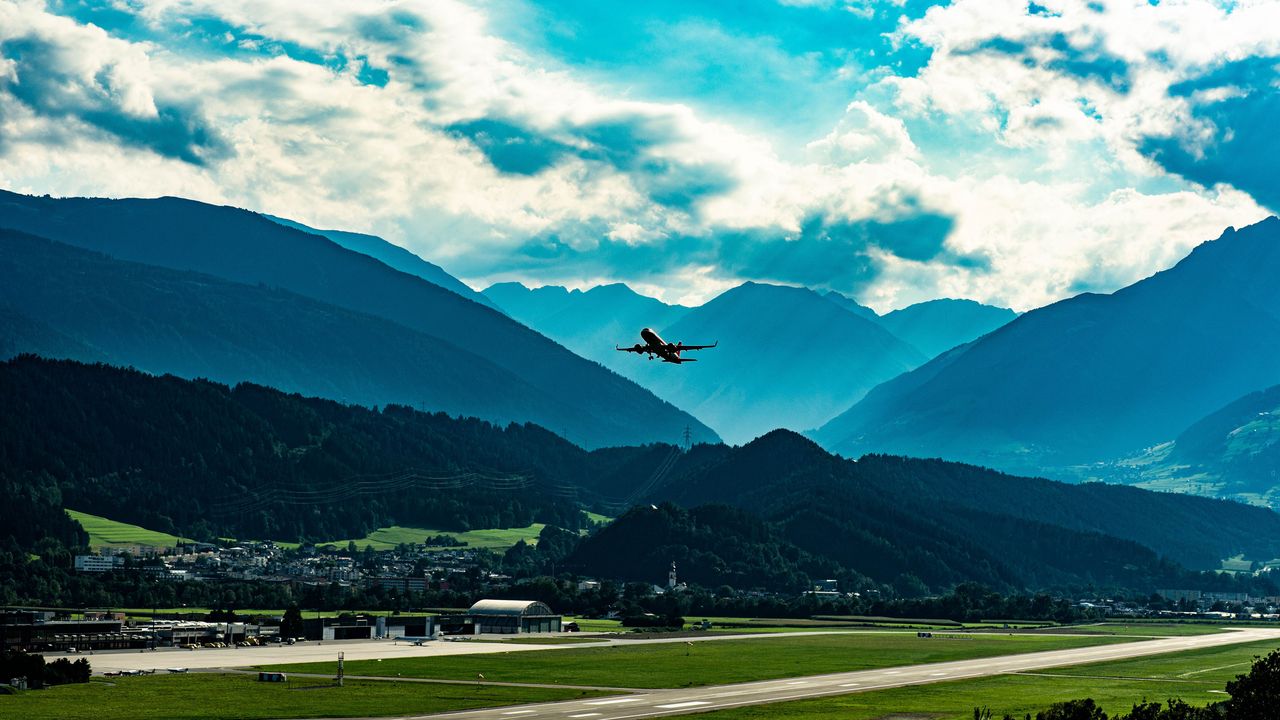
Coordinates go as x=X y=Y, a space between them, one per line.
x=655 y=346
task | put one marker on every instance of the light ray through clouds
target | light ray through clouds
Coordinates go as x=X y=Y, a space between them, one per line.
x=1008 y=152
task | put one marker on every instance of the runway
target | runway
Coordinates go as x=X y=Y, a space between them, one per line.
x=313 y=651
x=659 y=703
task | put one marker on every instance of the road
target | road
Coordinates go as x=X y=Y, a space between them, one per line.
x=658 y=703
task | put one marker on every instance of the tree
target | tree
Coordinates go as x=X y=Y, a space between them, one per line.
x=1256 y=695
x=291 y=623
x=1073 y=710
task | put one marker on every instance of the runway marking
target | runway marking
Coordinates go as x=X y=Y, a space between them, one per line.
x=1223 y=667
x=893 y=672
x=851 y=685
x=937 y=674
x=518 y=712
x=613 y=702
x=584 y=715
x=690 y=703
x=799 y=682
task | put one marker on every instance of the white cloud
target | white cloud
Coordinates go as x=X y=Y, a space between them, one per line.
x=625 y=178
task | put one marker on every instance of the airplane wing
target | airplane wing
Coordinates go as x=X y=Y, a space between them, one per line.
x=682 y=348
x=633 y=348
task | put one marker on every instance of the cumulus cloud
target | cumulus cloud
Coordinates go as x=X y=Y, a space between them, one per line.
x=413 y=119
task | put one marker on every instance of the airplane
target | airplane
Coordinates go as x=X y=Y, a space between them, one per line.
x=176 y=670
x=669 y=352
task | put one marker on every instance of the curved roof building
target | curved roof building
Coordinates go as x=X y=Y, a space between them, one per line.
x=513 y=616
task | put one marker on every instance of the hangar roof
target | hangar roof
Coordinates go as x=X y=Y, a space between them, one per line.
x=519 y=608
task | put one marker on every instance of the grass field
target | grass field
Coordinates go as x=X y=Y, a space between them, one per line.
x=107 y=533
x=1145 y=629
x=596 y=625
x=1196 y=677
x=670 y=665
x=201 y=696
x=492 y=539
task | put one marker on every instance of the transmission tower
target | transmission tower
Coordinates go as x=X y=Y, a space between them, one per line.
x=688 y=439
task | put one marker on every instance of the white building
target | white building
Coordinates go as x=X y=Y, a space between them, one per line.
x=98 y=563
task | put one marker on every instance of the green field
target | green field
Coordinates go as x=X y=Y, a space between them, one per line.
x=491 y=539
x=669 y=665
x=1196 y=677
x=1146 y=629
x=207 y=696
x=108 y=533
x=596 y=624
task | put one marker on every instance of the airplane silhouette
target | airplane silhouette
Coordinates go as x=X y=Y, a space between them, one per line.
x=656 y=346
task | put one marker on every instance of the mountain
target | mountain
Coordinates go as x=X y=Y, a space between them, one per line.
x=1233 y=452
x=206 y=459
x=711 y=545
x=935 y=325
x=788 y=357
x=884 y=516
x=590 y=322
x=560 y=390
x=528 y=305
x=939 y=325
x=393 y=256
x=852 y=306
x=194 y=325
x=1091 y=378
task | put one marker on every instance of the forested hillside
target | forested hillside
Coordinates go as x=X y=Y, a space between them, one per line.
x=203 y=460
x=938 y=517
x=711 y=545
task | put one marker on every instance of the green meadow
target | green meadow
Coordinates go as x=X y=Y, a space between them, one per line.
x=210 y=696
x=669 y=665
x=489 y=539
x=108 y=533
x=1198 y=677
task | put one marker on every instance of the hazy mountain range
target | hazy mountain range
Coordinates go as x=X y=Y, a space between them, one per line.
x=788 y=357
x=1094 y=377
x=1163 y=384
x=277 y=305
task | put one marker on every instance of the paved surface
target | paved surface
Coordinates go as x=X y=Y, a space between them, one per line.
x=207 y=658
x=657 y=703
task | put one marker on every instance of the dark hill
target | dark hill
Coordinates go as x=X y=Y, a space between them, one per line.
x=938 y=518
x=247 y=248
x=712 y=545
x=206 y=460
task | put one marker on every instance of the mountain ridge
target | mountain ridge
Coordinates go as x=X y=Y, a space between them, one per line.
x=1091 y=377
x=246 y=248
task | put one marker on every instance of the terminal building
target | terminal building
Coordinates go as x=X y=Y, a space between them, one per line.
x=511 y=617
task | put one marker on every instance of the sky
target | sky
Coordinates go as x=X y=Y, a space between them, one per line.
x=1015 y=153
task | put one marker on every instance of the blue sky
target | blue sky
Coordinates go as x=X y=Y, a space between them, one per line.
x=1014 y=153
